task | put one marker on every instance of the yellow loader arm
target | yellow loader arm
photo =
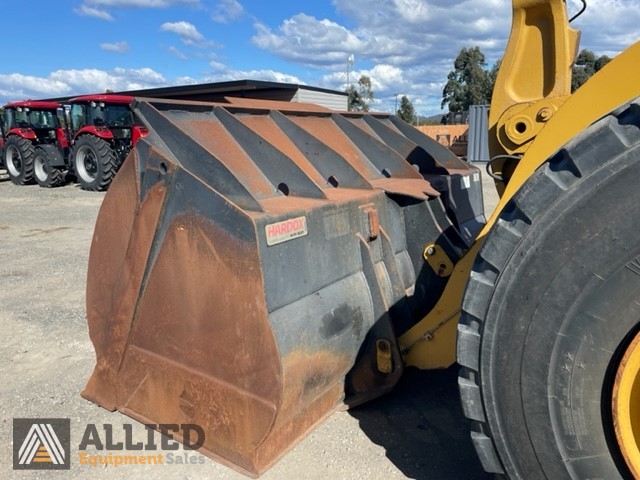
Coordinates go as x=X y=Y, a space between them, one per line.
x=532 y=87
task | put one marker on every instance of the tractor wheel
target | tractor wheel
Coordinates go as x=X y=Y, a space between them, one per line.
x=94 y=162
x=45 y=174
x=18 y=160
x=549 y=339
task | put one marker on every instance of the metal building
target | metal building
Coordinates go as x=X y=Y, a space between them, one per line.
x=215 y=92
x=478 y=137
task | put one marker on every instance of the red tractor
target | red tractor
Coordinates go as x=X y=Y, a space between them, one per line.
x=35 y=142
x=104 y=131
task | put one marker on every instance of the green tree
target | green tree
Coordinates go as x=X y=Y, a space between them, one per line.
x=586 y=64
x=468 y=83
x=354 y=100
x=365 y=91
x=406 y=111
x=360 y=98
x=492 y=75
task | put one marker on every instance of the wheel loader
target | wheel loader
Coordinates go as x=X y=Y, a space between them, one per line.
x=257 y=265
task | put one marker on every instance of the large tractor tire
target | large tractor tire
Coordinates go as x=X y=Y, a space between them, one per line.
x=45 y=173
x=18 y=160
x=94 y=162
x=549 y=340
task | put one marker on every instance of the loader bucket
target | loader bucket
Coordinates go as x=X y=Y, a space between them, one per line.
x=253 y=263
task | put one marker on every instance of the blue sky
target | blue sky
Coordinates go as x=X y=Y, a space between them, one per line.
x=67 y=47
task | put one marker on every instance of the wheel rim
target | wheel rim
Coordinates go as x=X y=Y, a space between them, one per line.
x=13 y=160
x=626 y=406
x=40 y=168
x=87 y=164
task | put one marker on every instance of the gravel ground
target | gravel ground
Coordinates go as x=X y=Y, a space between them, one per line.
x=46 y=357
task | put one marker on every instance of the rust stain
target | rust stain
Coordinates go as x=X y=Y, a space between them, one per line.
x=364 y=126
x=197 y=311
x=331 y=135
x=308 y=375
x=417 y=188
x=120 y=247
x=212 y=135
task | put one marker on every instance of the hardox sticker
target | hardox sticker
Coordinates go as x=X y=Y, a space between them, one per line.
x=287 y=230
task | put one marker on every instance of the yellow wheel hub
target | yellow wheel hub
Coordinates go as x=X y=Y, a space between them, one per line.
x=626 y=406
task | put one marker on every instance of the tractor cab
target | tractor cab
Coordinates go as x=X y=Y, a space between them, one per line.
x=106 y=116
x=41 y=122
x=110 y=115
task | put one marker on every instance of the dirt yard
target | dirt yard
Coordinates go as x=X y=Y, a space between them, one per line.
x=46 y=357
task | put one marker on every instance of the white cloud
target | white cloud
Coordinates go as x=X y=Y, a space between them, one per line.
x=75 y=82
x=141 y=3
x=96 y=8
x=608 y=26
x=383 y=77
x=177 y=53
x=117 y=47
x=15 y=86
x=415 y=11
x=91 y=80
x=227 y=11
x=185 y=30
x=185 y=80
x=223 y=73
x=95 y=80
x=87 y=11
x=217 y=66
x=309 y=41
x=400 y=32
x=189 y=34
x=409 y=45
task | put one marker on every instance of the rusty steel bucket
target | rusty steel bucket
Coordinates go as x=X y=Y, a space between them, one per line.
x=253 y=263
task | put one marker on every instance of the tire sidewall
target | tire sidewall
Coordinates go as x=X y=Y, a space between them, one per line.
x=96 y=145
x=25 y=149
x=53 y=176
x=41 y=156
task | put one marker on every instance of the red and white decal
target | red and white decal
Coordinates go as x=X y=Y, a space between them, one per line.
x=284 y=231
